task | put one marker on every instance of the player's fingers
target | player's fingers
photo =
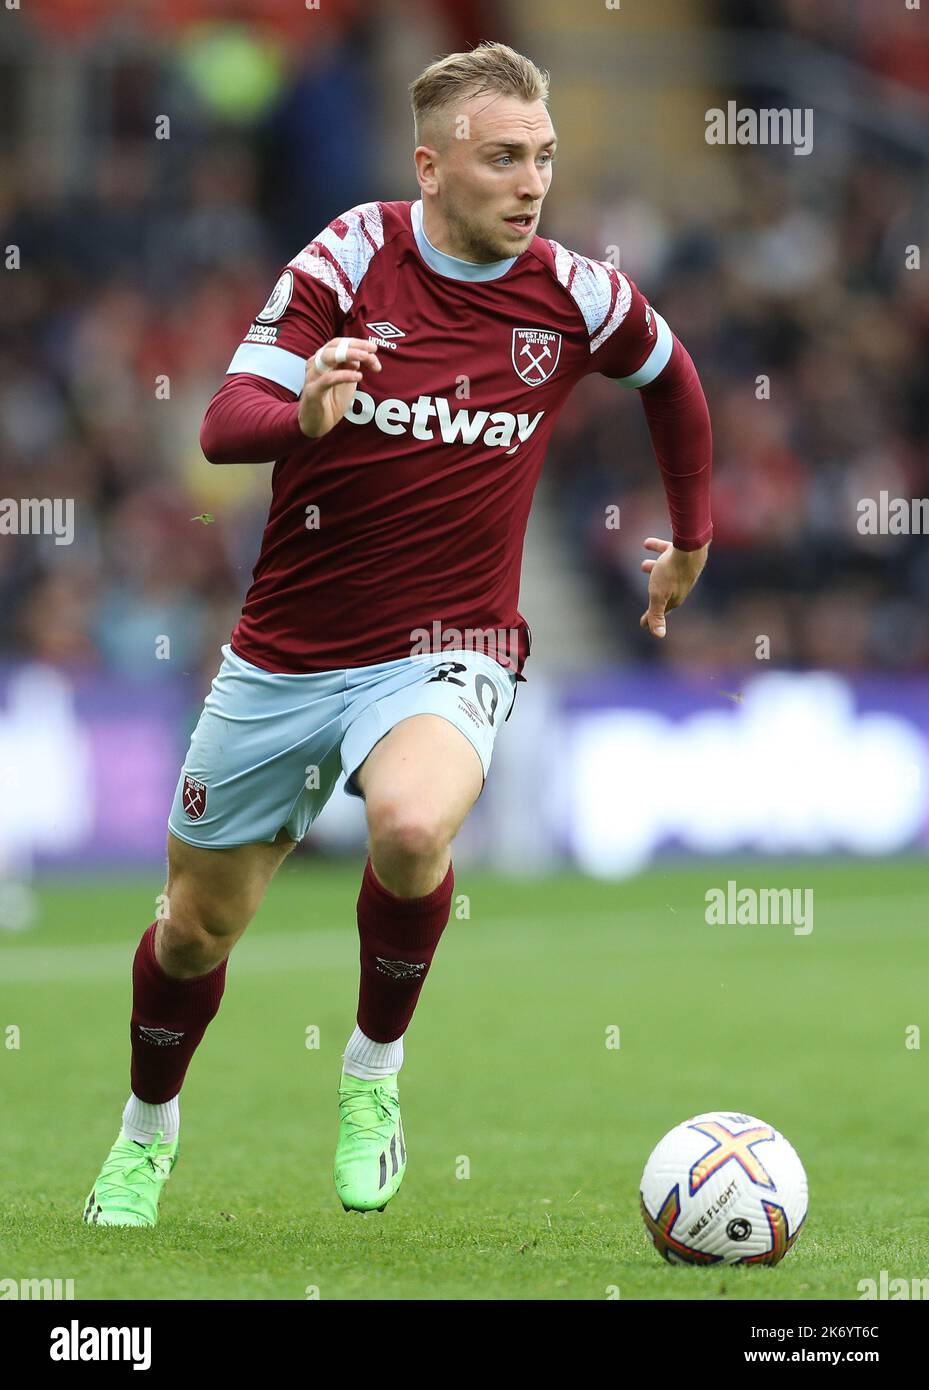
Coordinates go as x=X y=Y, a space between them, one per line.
x=648 y=565
x=657 y=544
x=333 y=355
x=341 y=351
x=654 y=616
x=363 y=360
x=321 y=378
x=335 y=346
x=335 y=378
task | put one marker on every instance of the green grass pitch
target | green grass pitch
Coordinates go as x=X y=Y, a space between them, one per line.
x=508 y=1079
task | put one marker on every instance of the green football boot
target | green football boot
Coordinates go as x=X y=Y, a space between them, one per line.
x=370 y=1157
x=127 y=1191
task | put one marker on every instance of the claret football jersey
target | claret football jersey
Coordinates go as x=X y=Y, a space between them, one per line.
x=409 y=517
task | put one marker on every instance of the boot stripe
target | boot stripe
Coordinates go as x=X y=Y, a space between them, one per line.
x=394 y=1165
x=383 y=1170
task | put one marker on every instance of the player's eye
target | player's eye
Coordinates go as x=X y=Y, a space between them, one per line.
x=547 y=157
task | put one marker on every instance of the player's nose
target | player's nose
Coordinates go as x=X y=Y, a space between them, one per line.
x=532 y=186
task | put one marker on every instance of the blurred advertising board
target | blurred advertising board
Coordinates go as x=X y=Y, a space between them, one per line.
x=602 y=772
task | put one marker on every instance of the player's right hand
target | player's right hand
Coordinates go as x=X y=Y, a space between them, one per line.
x=331 y=377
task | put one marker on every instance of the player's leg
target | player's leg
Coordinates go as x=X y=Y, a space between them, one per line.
x=179 y=970
x=243 y=799
x=419 y=781
x=178 y=978
x=210 y=897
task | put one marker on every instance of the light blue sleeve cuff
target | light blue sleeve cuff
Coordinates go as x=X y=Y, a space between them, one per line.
x=274 y=363
x=657 y=359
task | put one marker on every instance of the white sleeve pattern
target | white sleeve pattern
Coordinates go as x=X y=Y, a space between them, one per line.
x=341 y=254
x=600 y=291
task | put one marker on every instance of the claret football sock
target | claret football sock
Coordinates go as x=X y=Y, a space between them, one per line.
x=399 y=937
x=169 y=1017
x=142 y=1121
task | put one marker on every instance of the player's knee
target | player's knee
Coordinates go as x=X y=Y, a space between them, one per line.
x=407 y=833
x=198 y=928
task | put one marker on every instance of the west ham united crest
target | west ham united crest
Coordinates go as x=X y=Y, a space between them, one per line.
x=194 y=798
x=535 y=354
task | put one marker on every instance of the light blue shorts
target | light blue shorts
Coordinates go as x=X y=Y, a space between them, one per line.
x=268 y=748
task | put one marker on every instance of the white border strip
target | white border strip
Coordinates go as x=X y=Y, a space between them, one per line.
x=274 y=363
x=657 y=359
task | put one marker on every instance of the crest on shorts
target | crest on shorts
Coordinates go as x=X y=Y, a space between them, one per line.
x=535 y=354
x=194 y=797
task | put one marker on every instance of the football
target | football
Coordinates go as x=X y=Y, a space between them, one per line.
x=724 y=1188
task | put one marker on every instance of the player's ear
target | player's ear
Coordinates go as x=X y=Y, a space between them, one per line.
x=424 y=159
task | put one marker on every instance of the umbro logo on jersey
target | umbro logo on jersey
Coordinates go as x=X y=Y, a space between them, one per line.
x=382 y=332
x=161 y=1037
x=386 y=330
x=400 y=969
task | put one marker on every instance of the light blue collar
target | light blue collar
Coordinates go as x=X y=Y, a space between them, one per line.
x=451 y=266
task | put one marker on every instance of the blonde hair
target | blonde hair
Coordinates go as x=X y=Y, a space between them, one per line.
x=491 y=67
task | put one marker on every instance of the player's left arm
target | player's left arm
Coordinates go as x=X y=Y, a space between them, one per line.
x=640 y=351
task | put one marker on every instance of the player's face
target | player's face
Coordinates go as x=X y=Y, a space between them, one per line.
x=491 y=177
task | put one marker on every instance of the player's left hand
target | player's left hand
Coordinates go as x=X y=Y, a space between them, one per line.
x=670 y=579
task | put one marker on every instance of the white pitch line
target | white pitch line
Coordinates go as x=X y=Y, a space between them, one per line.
x=257 y=953
x=263 y=954
x=330 y=948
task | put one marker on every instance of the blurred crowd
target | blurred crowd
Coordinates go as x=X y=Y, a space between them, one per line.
x=811 y=336
x=796 y=297
x=800 y=288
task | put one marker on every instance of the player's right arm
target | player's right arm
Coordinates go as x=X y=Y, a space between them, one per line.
x=332 y=374
x=254 y=420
